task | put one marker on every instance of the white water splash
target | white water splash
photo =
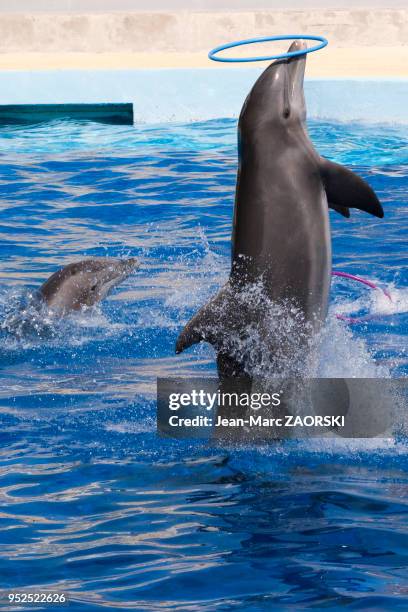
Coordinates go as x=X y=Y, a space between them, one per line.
x=376 y=302
x=344 y=355
x=25 y=322
x=380 y=304
x=340 y=352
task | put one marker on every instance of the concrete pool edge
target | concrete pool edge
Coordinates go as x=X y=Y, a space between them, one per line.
x=190 y=94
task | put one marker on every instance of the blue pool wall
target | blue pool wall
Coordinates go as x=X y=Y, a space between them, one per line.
x=200 y=94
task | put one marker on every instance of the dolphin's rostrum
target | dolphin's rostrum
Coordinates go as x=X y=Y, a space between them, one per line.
x=281 y=235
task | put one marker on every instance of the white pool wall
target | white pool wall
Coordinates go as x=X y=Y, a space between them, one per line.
x=199 y=94
x=194 y=31
x=80 y=6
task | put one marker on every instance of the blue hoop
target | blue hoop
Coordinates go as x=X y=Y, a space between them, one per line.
x=212 y=54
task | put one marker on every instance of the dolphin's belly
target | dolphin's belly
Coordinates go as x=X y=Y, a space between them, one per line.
x=283 y=238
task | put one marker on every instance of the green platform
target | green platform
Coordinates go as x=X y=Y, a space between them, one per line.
x=121 y=114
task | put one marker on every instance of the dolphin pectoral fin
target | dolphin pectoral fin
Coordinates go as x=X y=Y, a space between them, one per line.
x=344 y=189
x=206 y=324
x=344 y=212
x=193 y=332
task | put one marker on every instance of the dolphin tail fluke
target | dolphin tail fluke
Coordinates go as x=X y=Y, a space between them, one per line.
x=207 y=324
x=345 y=190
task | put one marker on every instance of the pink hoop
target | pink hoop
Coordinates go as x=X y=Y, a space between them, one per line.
x=363 y=282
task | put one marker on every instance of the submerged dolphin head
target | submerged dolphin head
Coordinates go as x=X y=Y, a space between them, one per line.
x=277 y=98
x=85 y=283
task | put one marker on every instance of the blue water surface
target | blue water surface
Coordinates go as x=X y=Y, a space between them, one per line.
x=93 y=503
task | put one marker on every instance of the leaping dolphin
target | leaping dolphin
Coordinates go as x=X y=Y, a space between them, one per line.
x=281 y=234
x=84 y=283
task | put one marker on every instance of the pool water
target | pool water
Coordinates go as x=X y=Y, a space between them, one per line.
x=92 y=502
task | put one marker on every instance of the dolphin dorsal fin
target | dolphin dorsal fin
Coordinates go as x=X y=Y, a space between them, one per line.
x=345 y=190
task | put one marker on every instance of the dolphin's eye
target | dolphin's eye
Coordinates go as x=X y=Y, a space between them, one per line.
x=286 y=113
